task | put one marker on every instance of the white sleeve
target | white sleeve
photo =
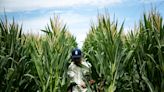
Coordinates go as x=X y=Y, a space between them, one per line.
x=89 y=64
x=71 y=74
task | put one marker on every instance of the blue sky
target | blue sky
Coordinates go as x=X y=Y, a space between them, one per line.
x=76 y=14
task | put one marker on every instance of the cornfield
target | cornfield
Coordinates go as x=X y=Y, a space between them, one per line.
x=32 y=63
x=132 y=62
x=127 y=63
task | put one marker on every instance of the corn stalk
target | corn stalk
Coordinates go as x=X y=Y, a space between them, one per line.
x=104 y=48
x=51 y=56
x=15 y=65
x=132 y=62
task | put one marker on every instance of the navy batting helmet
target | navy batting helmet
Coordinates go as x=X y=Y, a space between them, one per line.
x=76 y=53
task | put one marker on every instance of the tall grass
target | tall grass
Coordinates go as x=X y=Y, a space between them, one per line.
x=31 y=63
x=51 y=56
x=147 y=59
x=132 y=62
x=15 y=65
x=104 y=48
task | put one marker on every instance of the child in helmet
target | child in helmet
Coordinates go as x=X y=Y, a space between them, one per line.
x=78 y=72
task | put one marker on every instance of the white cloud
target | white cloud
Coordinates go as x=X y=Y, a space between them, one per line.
x=35 y=25
x=77 y=24
x=25 y=5
x=80 y=39
x=150 y=1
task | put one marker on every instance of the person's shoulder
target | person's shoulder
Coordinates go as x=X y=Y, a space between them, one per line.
x=71 y=66
x=87 y=64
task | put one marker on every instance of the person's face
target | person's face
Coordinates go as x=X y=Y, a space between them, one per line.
x=77 y=60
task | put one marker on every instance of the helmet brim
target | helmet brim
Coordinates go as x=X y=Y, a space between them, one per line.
x=79 y=56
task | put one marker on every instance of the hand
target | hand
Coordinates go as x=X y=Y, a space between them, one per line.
x=91 y=82
x=83 y=86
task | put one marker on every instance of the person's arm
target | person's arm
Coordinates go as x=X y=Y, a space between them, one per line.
x=70 y=74
x=87 y=72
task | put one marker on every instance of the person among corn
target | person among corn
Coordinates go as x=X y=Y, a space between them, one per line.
x=79 y=73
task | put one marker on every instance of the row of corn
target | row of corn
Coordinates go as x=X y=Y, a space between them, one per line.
x=30 y=63
x=132 y=62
